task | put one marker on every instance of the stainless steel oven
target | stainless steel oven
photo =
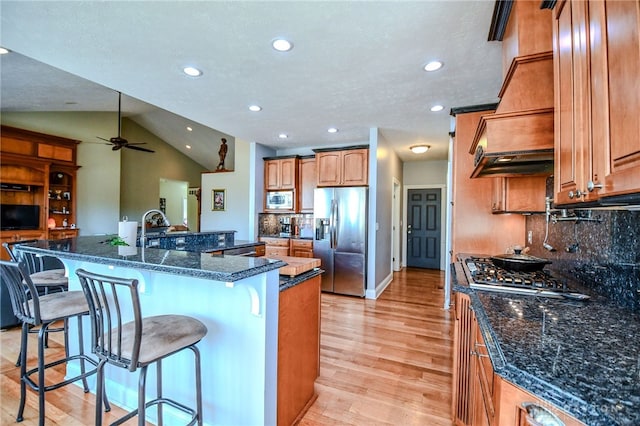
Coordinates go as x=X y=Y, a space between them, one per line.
x=279 y=200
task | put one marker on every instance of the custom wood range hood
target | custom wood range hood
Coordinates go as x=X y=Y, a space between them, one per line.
x=517 y=139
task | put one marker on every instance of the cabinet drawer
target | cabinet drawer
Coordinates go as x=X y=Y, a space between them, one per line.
x=278 y=242
x=302 y=244
x=276 y=251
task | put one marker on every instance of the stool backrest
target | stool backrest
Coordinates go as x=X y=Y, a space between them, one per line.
x=22 y=292
x=33 y=262
x=114 y=308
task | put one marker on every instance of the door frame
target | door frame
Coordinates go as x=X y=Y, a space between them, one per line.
x=443 y=214
x=396 y=226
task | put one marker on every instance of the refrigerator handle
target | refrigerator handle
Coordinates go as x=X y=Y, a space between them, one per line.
x=333 y=228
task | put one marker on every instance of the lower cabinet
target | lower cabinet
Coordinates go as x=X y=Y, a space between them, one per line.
x=13 y=236
x=301 y=248
x=59 y=234
x=481 y=397
x=275 y=246
x=298 y=349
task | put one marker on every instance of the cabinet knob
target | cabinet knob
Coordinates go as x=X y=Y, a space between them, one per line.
x=591 y=186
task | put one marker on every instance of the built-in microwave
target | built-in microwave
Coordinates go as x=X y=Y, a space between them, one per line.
x=279 y=200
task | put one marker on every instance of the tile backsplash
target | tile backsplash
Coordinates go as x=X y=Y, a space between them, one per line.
x=604 y=255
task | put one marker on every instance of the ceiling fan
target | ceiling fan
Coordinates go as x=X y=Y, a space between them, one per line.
x=120 y=142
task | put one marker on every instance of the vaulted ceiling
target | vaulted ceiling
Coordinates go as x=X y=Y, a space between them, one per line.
x=354 y=65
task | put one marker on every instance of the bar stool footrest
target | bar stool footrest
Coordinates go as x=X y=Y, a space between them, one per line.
x=35 y=386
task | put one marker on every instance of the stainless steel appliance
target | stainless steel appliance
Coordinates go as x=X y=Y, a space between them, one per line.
x=483 y=273
x=340 y=238
x=279 y=200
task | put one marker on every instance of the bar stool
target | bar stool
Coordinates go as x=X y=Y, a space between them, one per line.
x=138 y=343
x=46 y=280
x=35 y=310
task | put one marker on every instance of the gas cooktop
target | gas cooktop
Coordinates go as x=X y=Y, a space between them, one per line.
x=483 y=274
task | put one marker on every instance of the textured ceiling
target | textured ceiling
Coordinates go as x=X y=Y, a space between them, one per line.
x=355 y=66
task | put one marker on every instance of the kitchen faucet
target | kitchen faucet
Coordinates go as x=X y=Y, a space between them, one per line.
x=144 y=225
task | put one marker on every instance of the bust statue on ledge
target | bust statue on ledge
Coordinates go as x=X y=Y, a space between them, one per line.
x=222 y=152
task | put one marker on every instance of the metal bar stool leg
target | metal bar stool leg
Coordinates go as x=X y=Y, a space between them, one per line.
x=23 y=369
x=159 y=389
x=42 y=334
x=196 y=354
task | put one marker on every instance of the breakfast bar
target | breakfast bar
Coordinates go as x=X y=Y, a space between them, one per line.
x=236 y=297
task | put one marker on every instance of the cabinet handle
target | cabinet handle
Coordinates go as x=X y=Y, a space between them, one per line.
x=478 y=354
x=591 y=186
x=540 y=416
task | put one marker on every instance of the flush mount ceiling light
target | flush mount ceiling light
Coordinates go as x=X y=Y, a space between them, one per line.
x=3 y=51
x=433 y=66
x=255 y=108
x=283 y=136
x=420 y=149
x=436 y=108
x=282 y=45
x=192 y=71
x=188 y=146
x=189 y=129
x=332 y=130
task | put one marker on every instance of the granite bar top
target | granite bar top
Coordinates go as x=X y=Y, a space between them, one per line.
x=287 y=282
x=583 y=357
x=179 y=262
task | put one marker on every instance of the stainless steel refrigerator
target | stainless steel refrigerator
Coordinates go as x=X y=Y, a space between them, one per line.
x=340 y=239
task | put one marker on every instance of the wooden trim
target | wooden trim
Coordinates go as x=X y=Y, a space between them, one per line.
x=499 y=20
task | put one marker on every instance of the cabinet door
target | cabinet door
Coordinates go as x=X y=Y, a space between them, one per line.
x=519 y=194
x=271 y=175
x=462 y=345
x=328 y=168
x=288 y=173
x=355 y=167
x=13 y=236
x=615 y=60
x=307 y=184
x=571 y=121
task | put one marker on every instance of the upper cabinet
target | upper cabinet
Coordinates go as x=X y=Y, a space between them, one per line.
x=307 y=183
x=597 y=108
x=346 y=167
x=280 y=173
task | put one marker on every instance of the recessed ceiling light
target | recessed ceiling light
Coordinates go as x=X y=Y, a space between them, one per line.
x=189 y=129
x=283 y=136
x=3 y=51
x=332 y=130
x=255 y=108
x=282 y=45
x=433 y=66
x=419 y=149
x=191 y=71
x=437 y=108
x=188 y=146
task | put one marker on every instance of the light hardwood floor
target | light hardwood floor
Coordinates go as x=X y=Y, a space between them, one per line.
x=383 y=362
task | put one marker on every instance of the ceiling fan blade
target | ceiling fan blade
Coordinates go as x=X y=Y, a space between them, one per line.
x=116 y=147
x=137 y=148
x=103 y=139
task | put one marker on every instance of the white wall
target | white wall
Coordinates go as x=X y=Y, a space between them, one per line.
x=239 y=215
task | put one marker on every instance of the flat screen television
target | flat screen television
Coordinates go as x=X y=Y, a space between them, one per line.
x=19 y=216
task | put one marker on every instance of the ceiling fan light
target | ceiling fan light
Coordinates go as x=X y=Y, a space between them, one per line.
x=419 y=149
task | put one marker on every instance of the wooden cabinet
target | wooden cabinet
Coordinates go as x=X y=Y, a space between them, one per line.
x=307 y=184
x=518 y=195
x=298 y=349
x=59 y=234
x=349 y=167
x=301 y=248
x=462 y=369
x=13 y=236
x=513 y=412
x=483 y=406
x=596 y=57
x=280 y=174
x=275 y=246
x=39 y=169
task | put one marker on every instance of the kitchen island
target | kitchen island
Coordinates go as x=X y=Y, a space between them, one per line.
x=236 y=297
x=580 y=357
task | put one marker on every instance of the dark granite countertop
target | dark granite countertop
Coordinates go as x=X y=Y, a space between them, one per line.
x=287 y=282
x=179 y=262
x=583 y=357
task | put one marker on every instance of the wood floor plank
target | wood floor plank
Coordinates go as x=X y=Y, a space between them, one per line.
x=382 y=362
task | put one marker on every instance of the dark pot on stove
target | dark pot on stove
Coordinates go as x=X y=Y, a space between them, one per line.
x=519 y=262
